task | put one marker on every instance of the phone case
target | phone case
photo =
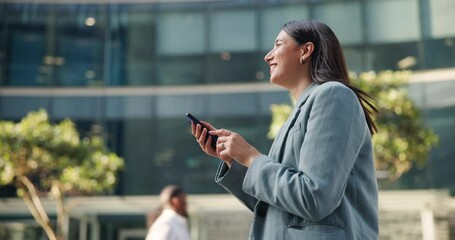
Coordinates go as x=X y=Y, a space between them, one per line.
x=190 y=119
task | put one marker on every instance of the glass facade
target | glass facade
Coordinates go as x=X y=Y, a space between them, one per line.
x=134 y=70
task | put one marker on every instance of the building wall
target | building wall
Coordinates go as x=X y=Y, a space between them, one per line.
x=403 y=215
x=134 y=69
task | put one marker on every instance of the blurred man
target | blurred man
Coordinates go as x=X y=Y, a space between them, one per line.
x=172 y=221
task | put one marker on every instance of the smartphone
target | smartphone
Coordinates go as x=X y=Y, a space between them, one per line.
x=192 y=119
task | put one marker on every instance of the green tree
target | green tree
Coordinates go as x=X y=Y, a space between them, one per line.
x=402 y=139
x=42 y=159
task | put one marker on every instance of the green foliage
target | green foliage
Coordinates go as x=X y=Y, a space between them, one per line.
x=280 y=113
x=53 y=155
x=43 y=159
x=402 y=139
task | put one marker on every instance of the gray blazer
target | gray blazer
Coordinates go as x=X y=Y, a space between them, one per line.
x=318 y=180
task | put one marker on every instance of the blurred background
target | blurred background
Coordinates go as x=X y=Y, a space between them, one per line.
x=130 y=70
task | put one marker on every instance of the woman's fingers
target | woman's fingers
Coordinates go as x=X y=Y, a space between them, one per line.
x=223 y=151
x=219 y=147
x=203 y=135
x=196 y=129
x=221 y=132
x=234 y=146
x=193 y=129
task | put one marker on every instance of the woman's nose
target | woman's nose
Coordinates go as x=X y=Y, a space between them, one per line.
x=268 y=56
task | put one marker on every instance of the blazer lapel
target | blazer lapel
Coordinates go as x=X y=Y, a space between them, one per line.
x=280 y=140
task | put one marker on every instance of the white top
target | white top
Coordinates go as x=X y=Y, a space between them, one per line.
x=169 y=226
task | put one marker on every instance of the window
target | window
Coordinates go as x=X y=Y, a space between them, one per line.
x=181 y=34
x=355 y=59
x=442 y=18
x=392 y=21
x=233 y=31
x=445 y=49
x=26 y=54
x=181 y=46
x=344 y=19
x=387 y=56
x=140 y=48
x=231 y=67
x=79 y=41
x=272 y=19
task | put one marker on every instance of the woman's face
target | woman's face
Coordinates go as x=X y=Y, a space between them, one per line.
x=180 y=205
x=284 y=61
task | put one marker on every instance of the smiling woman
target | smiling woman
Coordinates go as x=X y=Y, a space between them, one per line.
x=286 y=61
x=318 y=180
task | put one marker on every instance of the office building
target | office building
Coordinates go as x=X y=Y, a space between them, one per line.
x=130 y=70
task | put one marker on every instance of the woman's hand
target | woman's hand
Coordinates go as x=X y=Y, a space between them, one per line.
x=231 y=145
x=200 y=134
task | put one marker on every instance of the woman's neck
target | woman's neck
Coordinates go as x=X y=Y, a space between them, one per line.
x=297 y=91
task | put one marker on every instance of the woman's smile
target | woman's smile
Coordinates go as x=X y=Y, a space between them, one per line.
x=272 y=67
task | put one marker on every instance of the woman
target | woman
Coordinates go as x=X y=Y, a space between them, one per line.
x=318 y=180
x=169 y=221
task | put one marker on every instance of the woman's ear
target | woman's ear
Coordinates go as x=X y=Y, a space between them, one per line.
x=305 y=51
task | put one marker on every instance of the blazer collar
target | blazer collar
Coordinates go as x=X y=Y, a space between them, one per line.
x=279 y=140
x=305 y=94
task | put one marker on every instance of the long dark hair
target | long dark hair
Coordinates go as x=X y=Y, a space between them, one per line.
x=328 y=63
x=167 y=193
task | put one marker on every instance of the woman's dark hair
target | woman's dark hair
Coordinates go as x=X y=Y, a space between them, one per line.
x=328 y=63
x=170 y=192
x=167 y=193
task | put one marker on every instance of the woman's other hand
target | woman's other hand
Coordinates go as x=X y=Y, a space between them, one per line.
x=201 y=134
x=231 y=145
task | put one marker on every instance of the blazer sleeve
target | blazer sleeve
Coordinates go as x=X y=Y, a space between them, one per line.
x=231 y=179
x=335 y=132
